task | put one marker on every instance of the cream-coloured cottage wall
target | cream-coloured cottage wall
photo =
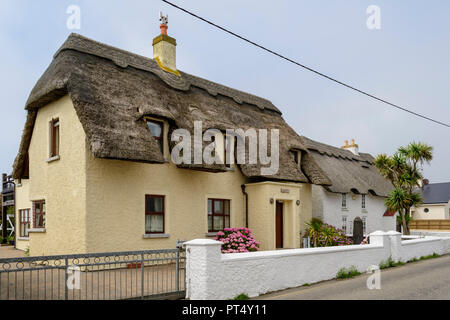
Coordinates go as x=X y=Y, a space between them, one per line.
x=262 y=213
x=116 y=203
x=61 y=183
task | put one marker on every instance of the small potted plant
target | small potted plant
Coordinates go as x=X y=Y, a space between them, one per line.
x=10 y=239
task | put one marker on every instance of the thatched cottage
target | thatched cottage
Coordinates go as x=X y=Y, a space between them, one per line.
x=94 y=170
x=357 y=189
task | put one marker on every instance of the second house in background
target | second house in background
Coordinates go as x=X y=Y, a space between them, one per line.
x=357 y=189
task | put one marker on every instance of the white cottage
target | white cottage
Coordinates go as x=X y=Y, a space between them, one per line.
x=357 y=189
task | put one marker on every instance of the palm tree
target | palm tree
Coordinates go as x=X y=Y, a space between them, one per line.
x=314 y=228
x=403 y=169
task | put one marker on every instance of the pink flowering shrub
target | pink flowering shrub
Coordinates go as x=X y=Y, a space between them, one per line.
x=237 y=240
x=365 y=241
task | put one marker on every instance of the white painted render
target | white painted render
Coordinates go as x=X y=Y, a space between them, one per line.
x=328 y=207
x=213 y=275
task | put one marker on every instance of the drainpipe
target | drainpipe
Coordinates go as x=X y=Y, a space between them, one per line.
x=246 y=204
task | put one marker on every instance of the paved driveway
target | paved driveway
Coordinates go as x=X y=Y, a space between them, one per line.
x=428 y=279
x=10 y=252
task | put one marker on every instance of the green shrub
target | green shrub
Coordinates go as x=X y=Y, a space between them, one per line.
x=431 y=256
x=242 y=296
x=389 y=263
x=325 y=235
x=345 y=273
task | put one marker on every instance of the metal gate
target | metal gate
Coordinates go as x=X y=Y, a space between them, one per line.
x=150 y=274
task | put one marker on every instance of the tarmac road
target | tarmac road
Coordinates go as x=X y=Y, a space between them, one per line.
x=422 y=280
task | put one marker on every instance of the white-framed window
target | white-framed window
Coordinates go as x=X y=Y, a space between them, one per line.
x=156 y=128
x=363 y=201
x=25 y=222
x=364 y=223
x=344 y=224
x=350 y=226
x=344 y=200
x=54 y=138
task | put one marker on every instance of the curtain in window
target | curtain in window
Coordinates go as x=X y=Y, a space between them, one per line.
x=154 y=223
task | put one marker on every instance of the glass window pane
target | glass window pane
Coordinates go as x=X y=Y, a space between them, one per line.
x=154 y=204
x=227 y=221
x=43 y=207
x=226 y=207
x=209 y=206
x=56 y=141
x=154 y=223
x=209 y=223
x=218 y=206
x=38 y=207
x=155 y=128
x=218 y=223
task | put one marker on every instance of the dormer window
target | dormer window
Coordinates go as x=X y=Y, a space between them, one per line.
x=297 y=156
x=157 y=130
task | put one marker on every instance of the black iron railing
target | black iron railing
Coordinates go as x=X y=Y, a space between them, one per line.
x=150 y=274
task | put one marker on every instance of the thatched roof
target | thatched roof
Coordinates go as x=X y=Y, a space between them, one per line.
x=112 y=90
x=347 y=172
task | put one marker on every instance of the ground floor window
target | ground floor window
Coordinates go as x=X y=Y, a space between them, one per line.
x=39 y=214
x=344 y=224
x=218 y=214
x=364 y=221
x=25 y=221
x=154 y=214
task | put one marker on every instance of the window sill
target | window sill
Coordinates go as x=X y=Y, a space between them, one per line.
x=37 y=230
x=344 y=209
x=23 y=239
x=364 y=210
x=155 y=235
x=52 y=159
x=211 y=234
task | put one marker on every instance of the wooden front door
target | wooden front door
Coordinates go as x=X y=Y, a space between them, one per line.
x=279 y=225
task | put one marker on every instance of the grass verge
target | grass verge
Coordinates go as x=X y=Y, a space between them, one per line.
x=346 y=273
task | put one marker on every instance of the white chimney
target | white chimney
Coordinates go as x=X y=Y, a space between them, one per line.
x=352 y=147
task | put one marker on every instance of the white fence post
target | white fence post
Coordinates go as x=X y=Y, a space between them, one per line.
x=203 y=269
x=396 y=245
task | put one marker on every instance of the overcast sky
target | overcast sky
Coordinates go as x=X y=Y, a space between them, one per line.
x=406 y=61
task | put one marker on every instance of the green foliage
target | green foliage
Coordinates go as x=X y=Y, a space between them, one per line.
x=345 y=273
x=27 y=252
x=325 y=235
x=306 y=285
x=431 y=256
x=389 y=263
x=9 y=238
x=242 y=296
x=403 y=170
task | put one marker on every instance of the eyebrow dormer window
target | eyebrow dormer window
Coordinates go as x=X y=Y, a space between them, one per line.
x=156 y=129
x=297 y=156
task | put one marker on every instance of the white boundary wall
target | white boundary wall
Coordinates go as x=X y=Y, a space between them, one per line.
x=213 y=275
